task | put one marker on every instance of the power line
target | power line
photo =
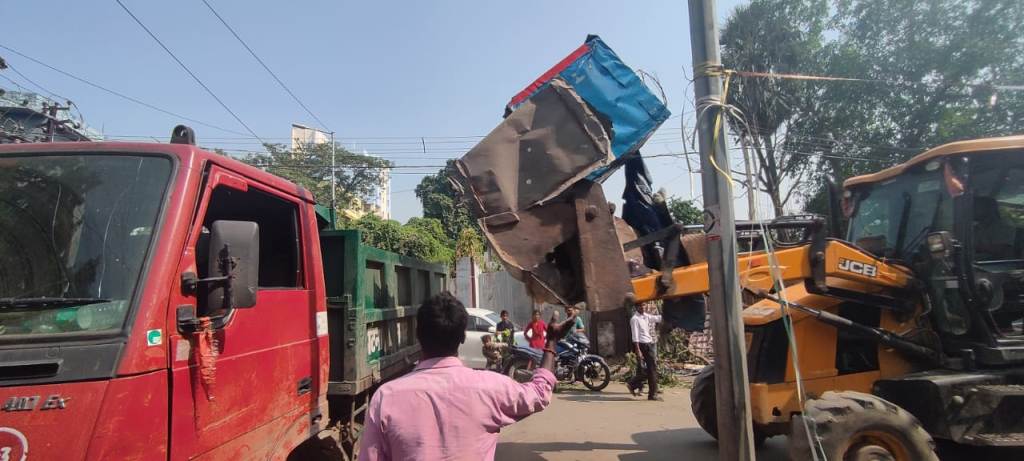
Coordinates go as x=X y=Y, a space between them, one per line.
x=9 y=79
x=265 y=67
x=30 y=81
x=118 y=94
x=189 y=71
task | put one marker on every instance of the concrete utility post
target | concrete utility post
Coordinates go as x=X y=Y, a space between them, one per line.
x=735 y=432
x=334 y=179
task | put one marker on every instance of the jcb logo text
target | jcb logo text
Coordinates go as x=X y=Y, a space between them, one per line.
x=869 y=270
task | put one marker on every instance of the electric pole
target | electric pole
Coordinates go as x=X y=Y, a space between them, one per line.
x=735 y=431
x=52 y=123
x=334 y=179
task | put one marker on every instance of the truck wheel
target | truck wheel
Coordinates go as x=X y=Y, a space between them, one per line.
x=856 y=426
x=321 y=447
x=705 y=409
x=595 y=374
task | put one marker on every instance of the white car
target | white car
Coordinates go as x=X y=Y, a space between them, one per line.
x=482 y=322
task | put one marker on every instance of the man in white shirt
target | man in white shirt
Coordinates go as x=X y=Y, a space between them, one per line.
x=642 y=327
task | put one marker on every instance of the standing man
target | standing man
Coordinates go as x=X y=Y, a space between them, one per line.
x=641 y=326
x=443 y=410
x=506 y=328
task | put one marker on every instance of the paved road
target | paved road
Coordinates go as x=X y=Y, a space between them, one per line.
x=612 y=425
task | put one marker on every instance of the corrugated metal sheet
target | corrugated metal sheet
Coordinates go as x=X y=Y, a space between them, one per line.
x=499 y=290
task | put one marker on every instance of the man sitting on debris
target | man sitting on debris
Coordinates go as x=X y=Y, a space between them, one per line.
x=444 y=410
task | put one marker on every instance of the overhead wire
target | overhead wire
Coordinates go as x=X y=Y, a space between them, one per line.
x=32 y=82
x=725 y=113
x=186 y=69
x=119 y=94
x=265 y=67
x=779 y=288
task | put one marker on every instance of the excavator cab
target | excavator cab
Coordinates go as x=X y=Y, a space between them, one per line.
x=907 y=330
x=958 y=222
x=954 y=216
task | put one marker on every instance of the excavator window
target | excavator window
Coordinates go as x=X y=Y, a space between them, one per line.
x=892 y=219
x=997 y=225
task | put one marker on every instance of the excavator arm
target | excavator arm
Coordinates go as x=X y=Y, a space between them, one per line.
x=827 y=266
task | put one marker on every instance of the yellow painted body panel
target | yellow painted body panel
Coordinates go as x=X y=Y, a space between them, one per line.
x=816 y=349
x=793 y=265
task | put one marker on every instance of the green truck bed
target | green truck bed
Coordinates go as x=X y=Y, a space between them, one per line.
x=372 y=298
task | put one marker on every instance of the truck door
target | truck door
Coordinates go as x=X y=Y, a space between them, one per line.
x=260 y=385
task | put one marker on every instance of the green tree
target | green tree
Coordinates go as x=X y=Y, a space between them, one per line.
x=940 y=60
x=778 y=36
x=356 y=176
x=469 y=244
x=932 y=68
x=684 y=211
x=441 y=202
x=385 y=234
x=430 y=240
x=419 y=238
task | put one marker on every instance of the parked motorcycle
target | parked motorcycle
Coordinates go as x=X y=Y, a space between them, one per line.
x=572 y=364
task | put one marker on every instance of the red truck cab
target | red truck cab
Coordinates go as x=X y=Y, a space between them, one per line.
x=119 y=339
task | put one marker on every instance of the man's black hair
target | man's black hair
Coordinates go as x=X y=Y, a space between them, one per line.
x=504 y=313
x=441 y=325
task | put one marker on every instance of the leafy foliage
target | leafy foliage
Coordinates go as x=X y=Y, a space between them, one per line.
x=469 y=244
x=309 y=166
x=418 y=238
x=933 y=68
x=441 y=202
x=781 y=36
x=684 y=211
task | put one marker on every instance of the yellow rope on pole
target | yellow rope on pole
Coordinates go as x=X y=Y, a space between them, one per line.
x=718 y=124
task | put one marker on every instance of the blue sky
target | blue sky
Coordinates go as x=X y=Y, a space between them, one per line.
x=381 y=74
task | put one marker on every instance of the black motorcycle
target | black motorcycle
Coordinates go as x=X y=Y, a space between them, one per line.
x=572 y=364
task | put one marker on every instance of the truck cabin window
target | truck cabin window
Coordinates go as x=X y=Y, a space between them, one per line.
x=277 y=219
x=74 y=234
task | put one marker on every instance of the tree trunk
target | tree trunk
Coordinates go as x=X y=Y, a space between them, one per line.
x=772 y=176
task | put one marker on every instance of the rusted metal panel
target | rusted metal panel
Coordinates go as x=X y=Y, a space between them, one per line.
x=550 y=227
x=604 y=272
x=540 y=150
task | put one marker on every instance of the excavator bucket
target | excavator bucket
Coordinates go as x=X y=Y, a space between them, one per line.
x=551 y=228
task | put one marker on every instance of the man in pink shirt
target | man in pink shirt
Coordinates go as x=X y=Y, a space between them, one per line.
x=444 y=410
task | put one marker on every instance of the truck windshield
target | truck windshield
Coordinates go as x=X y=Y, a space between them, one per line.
x=892 y=218
x=74 y=231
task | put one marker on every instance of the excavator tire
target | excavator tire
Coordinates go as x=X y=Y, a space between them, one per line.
x=702 y=401
x=856 y=426
x=705 y=409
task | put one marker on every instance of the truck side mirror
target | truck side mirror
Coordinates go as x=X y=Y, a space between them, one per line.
x=233 y=265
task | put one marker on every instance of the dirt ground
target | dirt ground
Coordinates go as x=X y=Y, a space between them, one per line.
x=613 y=425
